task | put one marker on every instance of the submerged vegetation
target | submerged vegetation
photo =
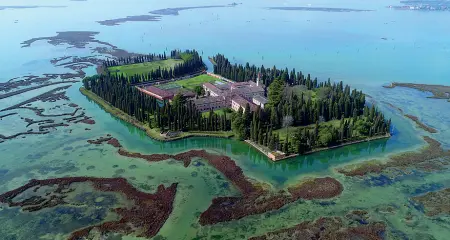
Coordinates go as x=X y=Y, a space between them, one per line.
x=336 y=228
x=431 y=157
x=141 y=216
x=435 y=203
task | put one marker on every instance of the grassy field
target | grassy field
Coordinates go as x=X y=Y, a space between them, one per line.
x=219 y=112
x=141 y=68
x=191 y=83
x=292 y=130
x=186 y=56
x=168 y=86
x=315 y=94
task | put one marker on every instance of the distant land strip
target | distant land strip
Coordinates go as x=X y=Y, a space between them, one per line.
x=33 y=99
x=27 y=7
x=6 y=115
x=420 y=124
x=319 y=9
x=176 y=11
x=139 y=18
x=438 y=91
x=7 y=95
x=155 y=15
x=413 y=118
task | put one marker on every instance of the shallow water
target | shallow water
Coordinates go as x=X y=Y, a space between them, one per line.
x=342 y=46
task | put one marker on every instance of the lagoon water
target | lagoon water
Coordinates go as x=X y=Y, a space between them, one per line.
x=345 y=46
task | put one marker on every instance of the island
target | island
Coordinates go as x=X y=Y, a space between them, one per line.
x=422 y=5
x=281 y=113
x=438 y=91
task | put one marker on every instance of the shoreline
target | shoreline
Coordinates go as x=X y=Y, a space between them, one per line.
x=257 y=147
x=148 y=131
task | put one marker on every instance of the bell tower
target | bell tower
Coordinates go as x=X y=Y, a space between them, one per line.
x=258 y=78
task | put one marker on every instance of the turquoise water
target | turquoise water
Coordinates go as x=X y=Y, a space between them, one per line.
x=342 y=46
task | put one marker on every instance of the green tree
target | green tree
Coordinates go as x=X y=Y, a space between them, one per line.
x=316 y=130
x=363 y=127
x=325 y=138
x=238 y=125
x=274 y=120
x=275 y=93
x=247 y=115
x=286 y=145
x=199 y=90
x=178 y=100
x=271 y=144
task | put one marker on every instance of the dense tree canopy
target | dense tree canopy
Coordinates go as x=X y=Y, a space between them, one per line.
x=181 y=115
x=323 y=114
x=275 y=93
x=305 y=102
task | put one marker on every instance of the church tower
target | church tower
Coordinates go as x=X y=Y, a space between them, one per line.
x=258 y=78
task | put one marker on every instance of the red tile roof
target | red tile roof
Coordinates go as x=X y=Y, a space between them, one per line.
x=243 y=102
x=212 y=87
x=158 y=93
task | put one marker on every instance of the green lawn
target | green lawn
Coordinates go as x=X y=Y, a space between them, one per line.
x=292 y=130
x=299 y=89
x=191 y=83
x=141 y=68
x=315 y=94
x=186 y=56
x=219 y=112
